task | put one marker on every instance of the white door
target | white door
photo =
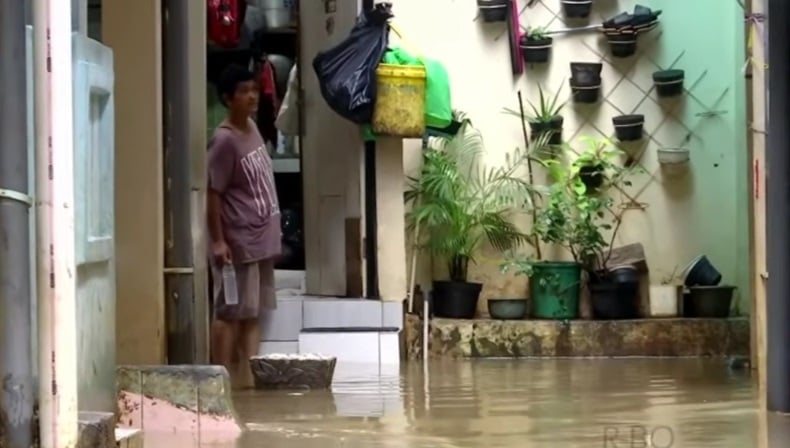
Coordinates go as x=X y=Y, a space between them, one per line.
x=94 y=151
x=331 y=153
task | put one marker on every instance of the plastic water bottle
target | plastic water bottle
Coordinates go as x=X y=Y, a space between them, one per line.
x=229 y=285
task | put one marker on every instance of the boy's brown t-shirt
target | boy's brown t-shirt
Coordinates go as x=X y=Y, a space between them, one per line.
x=240 y=170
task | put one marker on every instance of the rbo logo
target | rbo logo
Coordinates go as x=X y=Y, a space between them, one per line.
x=637 y=436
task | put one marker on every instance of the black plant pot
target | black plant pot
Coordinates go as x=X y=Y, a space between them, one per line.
x=669 y=82
x=622 y=45
x=455 y=300
x=613 y=301
x=626 y=274
x=629 y=127
x=536 y=51
x=494 y=10
x=701 y=272
x=586 y=73
x=554 y=126
x=587 y=94
x=708 y=301
x=592 y=176
x=577 y=8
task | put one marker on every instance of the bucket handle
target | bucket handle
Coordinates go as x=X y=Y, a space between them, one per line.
x=406 y=42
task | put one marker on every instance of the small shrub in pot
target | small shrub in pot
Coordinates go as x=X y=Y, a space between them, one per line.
x=535 y=46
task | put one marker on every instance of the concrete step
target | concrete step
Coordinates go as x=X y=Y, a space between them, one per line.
x=378 y=347
x=128 y=438
x=296 y=313
x=96 y=430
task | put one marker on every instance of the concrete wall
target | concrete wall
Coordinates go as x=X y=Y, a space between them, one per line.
x=702 y=212
x=134 y=34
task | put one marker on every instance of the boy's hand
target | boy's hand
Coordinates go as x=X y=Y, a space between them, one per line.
x=221 y=253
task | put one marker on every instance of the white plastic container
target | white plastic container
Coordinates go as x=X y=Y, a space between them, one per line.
x=665 y=300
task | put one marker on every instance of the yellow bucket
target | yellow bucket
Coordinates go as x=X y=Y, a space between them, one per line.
x=400 y=101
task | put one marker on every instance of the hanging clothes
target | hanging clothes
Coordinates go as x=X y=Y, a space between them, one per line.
x=268 y=103
x=288 y=118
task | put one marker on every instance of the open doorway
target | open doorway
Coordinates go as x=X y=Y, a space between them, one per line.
x=268 y=42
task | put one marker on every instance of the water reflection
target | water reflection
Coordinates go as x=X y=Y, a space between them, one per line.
x=506 y=403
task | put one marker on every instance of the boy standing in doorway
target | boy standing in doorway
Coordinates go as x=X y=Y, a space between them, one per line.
x=243 y=221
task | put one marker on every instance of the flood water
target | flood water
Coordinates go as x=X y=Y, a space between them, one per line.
x=521 y=403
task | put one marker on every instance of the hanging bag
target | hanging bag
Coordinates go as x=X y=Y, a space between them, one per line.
x=347 y=72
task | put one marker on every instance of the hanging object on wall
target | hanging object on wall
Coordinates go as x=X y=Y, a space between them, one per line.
x=225 y=18
x=577 y=9
x=629 y=127
x=536 y=46
x=493 y=10
x=514 y=35
x=669 y=82
x=586 y=81
x=623 y=30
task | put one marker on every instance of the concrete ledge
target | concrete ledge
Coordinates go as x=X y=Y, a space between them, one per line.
x=173 y=399
x=96 y=430
x=580 y=338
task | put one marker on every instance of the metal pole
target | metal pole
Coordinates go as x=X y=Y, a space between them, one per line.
x=371 y=224
x=16 y=366
x=778 y=208
x=55 y=243
x=179 y=267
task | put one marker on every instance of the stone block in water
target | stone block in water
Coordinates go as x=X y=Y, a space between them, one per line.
x=302 y=371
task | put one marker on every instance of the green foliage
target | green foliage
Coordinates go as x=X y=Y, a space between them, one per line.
x=546 y=111
x=574 y=217
x=458 y=203
x=537 y=33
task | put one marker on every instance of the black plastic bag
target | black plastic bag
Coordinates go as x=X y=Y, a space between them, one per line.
x=347 y=72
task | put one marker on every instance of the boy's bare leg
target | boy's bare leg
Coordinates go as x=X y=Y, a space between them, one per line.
x=249 y=345
x=225 y=335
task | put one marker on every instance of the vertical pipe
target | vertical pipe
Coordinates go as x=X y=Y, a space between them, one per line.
x=778 y=209
x=16 y=366
x=55 y=203
x=179 y=268
x=371 y=224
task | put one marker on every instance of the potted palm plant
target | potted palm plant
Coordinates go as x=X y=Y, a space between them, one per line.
x=536 y=45
x=457 y=204
x=545 y=117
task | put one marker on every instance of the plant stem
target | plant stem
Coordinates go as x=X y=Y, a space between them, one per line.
x=529 y=170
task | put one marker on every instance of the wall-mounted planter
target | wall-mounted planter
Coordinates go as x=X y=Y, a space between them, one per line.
x=592 y=176
x=629 y=127
x=535 y=51
x=554 y=126
x=586 y=73
x=494 y=10
x=577 y=8
x=622 y=45
x=586 y=94
x=673 y=156
x=669 y=82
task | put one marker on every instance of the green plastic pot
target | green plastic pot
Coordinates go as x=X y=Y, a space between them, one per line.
x=554 y=288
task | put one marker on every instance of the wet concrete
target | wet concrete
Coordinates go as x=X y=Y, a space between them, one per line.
x=513 y=403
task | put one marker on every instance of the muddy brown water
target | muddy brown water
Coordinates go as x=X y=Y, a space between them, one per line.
x=517 y=403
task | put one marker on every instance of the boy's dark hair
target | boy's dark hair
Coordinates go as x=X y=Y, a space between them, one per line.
x=229 y=81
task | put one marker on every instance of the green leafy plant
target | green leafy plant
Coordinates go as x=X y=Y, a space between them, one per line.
x=457 y=203
x=545 y=111
x=570 y=216
x=537 y=33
